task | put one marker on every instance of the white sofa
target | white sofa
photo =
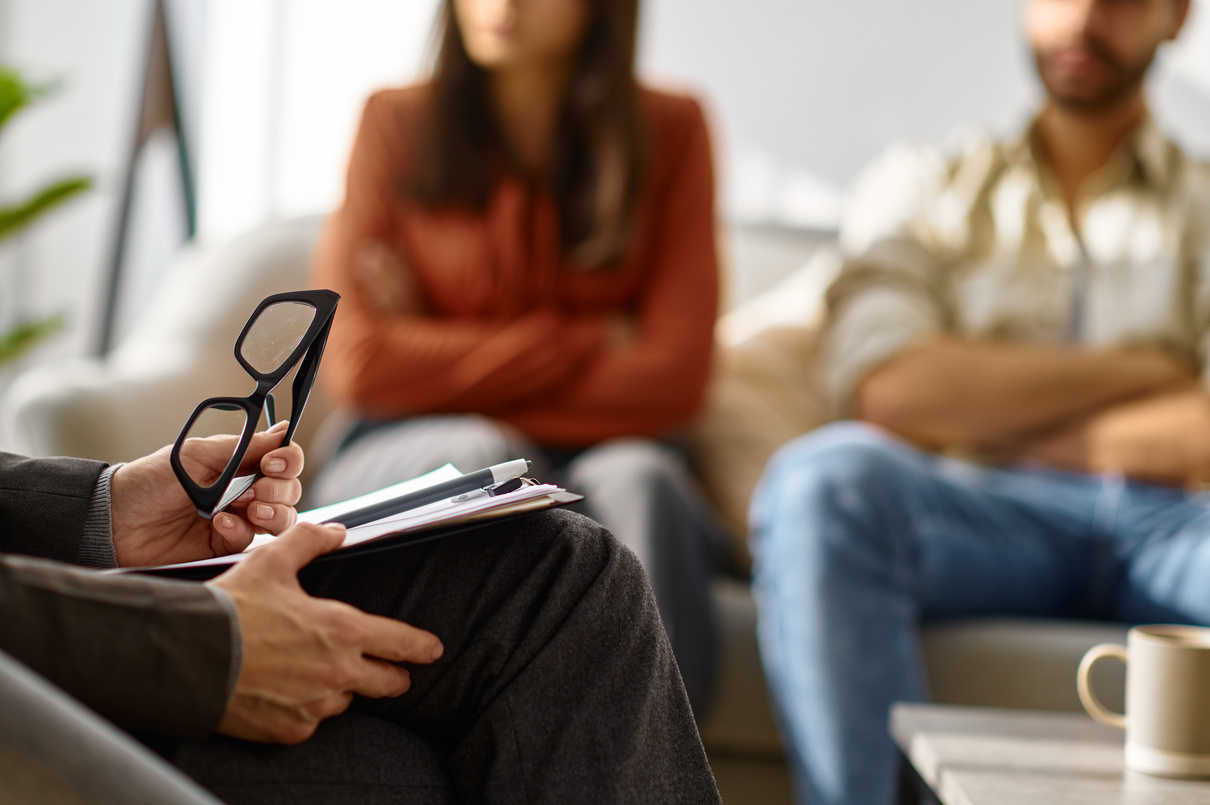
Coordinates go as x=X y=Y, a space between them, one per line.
x=180 y=351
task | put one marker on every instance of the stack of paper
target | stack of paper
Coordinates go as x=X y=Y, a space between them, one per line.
x=443 y=514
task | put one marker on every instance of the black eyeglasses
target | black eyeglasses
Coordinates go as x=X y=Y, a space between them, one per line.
x=285 y=330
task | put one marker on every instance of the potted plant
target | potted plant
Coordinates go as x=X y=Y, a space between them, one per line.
x=15 y=95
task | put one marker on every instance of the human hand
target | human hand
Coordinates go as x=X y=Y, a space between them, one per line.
x=390 y=284
x=305 y=657
x=155 y=522
x=1162 y=439
x=1163 y=367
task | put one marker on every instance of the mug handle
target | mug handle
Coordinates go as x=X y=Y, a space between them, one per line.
x=1083 y=683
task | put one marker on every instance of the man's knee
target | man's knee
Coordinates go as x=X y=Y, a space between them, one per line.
x=583 y=560
x=845 y=458
x=834 y=485
x=583 y=543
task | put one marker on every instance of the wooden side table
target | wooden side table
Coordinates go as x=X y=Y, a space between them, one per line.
x=981 y=756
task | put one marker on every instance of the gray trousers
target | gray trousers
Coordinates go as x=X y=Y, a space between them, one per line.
x=639 y=489
x=557 y=685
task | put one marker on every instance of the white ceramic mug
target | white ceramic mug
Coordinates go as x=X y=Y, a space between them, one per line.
x=1167 y=718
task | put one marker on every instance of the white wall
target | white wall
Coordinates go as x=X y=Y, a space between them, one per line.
x=1181 y=84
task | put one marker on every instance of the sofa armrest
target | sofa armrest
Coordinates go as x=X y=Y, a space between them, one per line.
x=90 y=409
x=179 y=351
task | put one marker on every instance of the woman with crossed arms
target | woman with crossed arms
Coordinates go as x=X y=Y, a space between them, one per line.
x=526 y=255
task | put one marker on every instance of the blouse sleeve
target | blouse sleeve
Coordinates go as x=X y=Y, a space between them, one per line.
x=657 y=382
x=386 y=364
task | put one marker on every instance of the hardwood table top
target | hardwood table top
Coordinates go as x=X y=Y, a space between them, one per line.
x=982 y=756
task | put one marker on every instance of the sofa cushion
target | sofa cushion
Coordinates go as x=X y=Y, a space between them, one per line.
x=1002 y=662
x=762 y=395
x=178 y=351
x=1022 y=663
x=764 y=392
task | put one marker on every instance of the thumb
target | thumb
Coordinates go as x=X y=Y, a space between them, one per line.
x=300 y=545
x=265 y=437
x=262 y=442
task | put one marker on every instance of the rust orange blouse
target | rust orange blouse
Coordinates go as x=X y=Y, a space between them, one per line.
x=511 y=330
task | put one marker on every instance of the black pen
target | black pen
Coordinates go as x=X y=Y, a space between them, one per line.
x=432 y=494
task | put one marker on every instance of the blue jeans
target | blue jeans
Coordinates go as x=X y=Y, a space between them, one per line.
x=859 y=537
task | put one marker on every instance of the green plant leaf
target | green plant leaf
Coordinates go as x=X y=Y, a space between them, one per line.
x=16 y=93
x=24 y=336
x=18 y=216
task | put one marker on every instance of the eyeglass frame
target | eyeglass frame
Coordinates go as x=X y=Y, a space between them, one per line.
x=307 y=354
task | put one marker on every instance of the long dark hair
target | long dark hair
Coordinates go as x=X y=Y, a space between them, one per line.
x=598 y=164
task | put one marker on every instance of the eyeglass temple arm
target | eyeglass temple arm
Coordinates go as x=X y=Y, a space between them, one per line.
x=304 y=378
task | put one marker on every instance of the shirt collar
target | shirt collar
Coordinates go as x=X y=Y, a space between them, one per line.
x=1153 y=153
x=1148 y=152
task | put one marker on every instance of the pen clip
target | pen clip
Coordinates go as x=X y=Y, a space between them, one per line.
x=504 y=487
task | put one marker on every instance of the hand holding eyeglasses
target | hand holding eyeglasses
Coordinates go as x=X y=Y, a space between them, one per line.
x=287 y=332
x=304 y=658
x=220 y=458
x=155 y=522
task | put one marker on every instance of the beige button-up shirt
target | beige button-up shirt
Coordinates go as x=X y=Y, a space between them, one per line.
x=978 y=243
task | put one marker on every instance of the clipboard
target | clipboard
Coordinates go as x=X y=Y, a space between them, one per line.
x=435 y=521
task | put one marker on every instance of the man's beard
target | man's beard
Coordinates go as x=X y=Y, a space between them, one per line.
x=1121 y=79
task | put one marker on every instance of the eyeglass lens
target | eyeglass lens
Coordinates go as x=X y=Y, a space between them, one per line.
x=275 y=334
x=216 y=420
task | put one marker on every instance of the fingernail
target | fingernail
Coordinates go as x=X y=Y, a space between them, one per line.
x=279 y=426
x=335 y=526
x=438 y=650
x=224 y=521
x=264 y=511
x=275 y=465
x=247 y=497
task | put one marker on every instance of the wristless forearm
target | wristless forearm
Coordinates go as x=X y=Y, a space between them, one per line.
x=966 y=393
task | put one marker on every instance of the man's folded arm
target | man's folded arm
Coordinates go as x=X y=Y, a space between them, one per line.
x=897 y=354
x=1163 y=439
x=953 y=392
x=896 y=359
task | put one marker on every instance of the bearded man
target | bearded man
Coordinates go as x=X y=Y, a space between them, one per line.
x=1042 y=305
